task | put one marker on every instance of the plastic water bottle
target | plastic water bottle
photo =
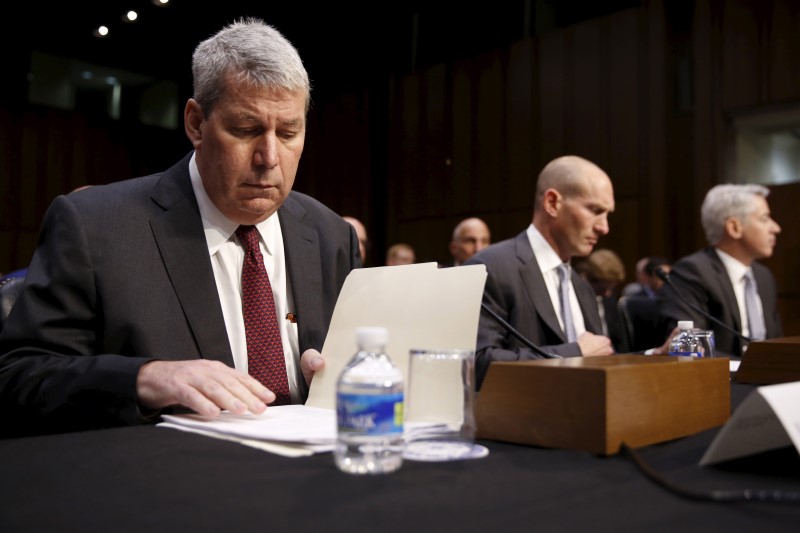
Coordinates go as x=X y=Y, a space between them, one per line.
x=369 y=409
x=685 y=342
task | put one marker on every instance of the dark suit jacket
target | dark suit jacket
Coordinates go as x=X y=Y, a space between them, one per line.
x=516 y=291
x=615 y=325
x=122 y=275
x=701 y=279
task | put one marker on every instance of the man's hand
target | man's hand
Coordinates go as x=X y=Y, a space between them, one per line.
x=310 y=362
x=592 y=344
x=664 y=348
x=206 y=387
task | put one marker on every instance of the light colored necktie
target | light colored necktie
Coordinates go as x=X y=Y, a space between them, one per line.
x=601 y=310
x=563 y=295
x=755 y=319
x=265 y=359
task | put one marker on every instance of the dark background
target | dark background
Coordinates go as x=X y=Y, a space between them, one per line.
x=425 y=113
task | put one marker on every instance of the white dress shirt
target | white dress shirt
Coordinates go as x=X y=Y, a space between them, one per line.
x=736 y=272
x=227 y=258
x=548 y=263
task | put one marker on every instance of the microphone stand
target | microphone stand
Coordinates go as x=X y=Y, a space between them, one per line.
x=663 y=275
x=509 y=328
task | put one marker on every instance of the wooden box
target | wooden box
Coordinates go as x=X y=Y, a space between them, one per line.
x=597 y=403
x=770 y=361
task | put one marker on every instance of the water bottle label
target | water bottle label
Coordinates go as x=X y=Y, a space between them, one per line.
x=687 y=354
x=370 y=414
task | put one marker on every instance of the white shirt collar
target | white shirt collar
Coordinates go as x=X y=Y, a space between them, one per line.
x=735 y=268
x=217 y=227
x=547 y=258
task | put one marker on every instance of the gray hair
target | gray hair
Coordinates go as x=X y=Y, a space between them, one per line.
x=727 y=201
x=253 y=51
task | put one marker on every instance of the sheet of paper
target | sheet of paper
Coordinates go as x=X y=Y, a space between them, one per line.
x=288 y=430
x=768 y=419
x=422 y=306
x=287 y=450
x=283 y=424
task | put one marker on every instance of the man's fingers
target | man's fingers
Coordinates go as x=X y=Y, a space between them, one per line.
x=311 y=362
x=206 y=387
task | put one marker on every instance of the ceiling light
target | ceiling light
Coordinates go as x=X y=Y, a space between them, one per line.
x=100 y=32
x=130 y=16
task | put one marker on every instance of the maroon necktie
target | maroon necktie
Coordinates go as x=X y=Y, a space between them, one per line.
x=265 y=360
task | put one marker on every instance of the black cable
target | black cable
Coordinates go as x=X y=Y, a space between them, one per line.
x=720 y=496
x=665 y=277
x=509 y=328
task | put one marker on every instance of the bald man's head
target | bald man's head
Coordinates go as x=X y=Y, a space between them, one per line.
x=573 y=199
x=470 y=236
x=361 y=232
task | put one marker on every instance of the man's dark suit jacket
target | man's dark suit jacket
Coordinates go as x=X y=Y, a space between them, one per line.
x=702 y=280
x=615 y=325
x=122 y=275
x=516 y=291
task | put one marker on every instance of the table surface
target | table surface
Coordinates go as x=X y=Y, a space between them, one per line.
x=157 y=479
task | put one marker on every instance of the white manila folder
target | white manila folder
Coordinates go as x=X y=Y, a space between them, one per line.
x=421 y=305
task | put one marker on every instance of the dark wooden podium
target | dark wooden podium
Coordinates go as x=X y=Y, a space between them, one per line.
x=597 y=403
x=770 y=361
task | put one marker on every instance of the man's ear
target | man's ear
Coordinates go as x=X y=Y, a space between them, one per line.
x=192 y=121
x=552 y=201
x=734 y=227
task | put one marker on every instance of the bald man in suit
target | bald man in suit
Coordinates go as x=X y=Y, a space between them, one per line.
x=573 y=200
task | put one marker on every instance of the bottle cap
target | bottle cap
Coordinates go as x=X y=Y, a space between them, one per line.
x=371 y=336
x=685 y=324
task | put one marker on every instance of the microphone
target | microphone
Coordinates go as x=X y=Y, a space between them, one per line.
x=509 y=328
x=664 y=276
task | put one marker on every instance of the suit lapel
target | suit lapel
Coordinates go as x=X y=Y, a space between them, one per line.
x=588 y=302
x=178 y=232
x=301 y=246
x=768 y=303
x=726 y=288
x=533 y=281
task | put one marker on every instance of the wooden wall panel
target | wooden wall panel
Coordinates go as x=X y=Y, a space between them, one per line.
x=782 y=49
x=463 y=104
x=521 y=131
x=587 y=102
x=551 y=76
x=654 y=231
x=408 y=179
x=625 y=83
x=336 y=155
x=437 y=174
x=740 y=52
x=488 y=130
x=785 y=262
x=707 y=72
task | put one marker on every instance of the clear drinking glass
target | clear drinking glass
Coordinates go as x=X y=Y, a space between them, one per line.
x=706 y=337
x=440 y=403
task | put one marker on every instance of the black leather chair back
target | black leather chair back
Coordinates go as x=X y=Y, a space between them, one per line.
x=9 y=290
x=643 y=324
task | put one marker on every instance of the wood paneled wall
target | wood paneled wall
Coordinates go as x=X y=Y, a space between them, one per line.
x=648 y=93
